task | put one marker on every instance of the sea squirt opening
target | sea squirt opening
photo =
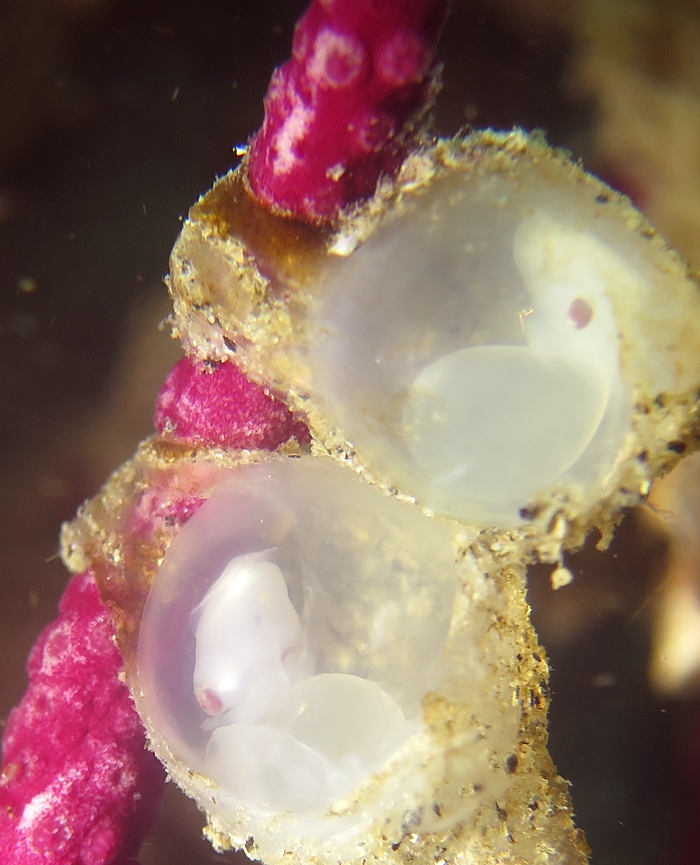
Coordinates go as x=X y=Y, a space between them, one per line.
x=292 y=632
x=469 y=350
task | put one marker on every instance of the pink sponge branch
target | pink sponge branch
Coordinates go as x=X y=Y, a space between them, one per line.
x=336 y=114
x=78 y=786
x=219 y=406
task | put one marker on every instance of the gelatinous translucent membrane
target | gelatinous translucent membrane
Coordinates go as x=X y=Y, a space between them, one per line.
x=469 y=351
x=292 y=631
x=460 y=412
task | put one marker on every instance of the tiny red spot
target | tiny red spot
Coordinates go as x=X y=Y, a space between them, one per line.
x=210 y=701
x=580 y=313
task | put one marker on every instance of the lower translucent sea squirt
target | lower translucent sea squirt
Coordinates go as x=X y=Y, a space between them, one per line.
x=322 y=608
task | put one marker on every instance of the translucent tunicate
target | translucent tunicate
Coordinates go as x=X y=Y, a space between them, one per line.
x=292 y=632
x=469 y=350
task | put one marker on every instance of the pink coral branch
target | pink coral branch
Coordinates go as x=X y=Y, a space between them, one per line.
x=336 y=113
x=78 y=786
x=219 y=406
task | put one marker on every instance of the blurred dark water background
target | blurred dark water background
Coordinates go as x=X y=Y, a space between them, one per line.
x=114 y=116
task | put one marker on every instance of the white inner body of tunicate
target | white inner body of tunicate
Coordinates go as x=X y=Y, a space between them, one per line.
x=498 y=422
x=283 y=738
x=250 y=643
x=501 y=406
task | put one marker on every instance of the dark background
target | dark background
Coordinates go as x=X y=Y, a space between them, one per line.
x=114 y=116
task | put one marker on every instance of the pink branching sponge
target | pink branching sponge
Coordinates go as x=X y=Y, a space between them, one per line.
x=78 y=785
x=338 y=114
x=219 y=406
